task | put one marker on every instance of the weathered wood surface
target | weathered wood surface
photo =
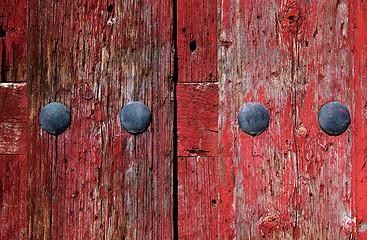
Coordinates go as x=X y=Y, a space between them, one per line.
x=358 y=85
x=197 y=120
x=13 y=40
x=13 y=118
x=293 y=181
x=13 y=164
x=197 y=41
x=96 y=181
x=13 y=184
x=197 y=116
x=198 y=197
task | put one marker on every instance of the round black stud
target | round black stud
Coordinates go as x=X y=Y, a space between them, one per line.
x=253 y=118
x=55 y=118
x=135 y=117
x=334 y=118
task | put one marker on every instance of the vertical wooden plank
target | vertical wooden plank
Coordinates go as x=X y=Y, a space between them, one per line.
x=13 y=184
x=197 y=119
x=197 y=40
x=96 y=180
x=358 y=58
x=292 y=57
x=257 y=174
x=198 y=197
x=13 y=165
x=324 y=162
x=197 y=114
x=13 y=118
x=13 y=40
x=197 y=132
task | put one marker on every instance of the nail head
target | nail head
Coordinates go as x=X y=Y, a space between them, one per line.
x=135 y=117
x=334 y=118
x=55 y=118
x=253 y=118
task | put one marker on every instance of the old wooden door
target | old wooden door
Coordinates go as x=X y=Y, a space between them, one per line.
x=94 y=181
x=293 y=181
x=194 y=174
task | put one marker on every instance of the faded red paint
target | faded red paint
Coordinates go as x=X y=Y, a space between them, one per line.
x=198 y=198
x=289 y=56
x=13 y=184
x=358 y=75
x=197 y=114
x=197 y=41
x=197 y=120
x=13 y=40
x=13 y=118
x=13 y=164
x=96 y=181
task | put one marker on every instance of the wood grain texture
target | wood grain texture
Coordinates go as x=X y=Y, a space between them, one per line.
x=13 y=118
x=13 y=40
x=13 y=183
x=96 y=181
x=197 y=40
x=198 y=198
x=293 y=181
x=197 y=119
x=358 y=40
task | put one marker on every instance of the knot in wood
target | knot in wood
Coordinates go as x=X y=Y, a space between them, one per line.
x=291 y=18
x=269 y=222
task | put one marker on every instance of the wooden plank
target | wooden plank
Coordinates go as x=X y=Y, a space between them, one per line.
x=197 y=114
x=13 y=40
x=13 y=118
x=357 y=83
x=293 y=181
x=197 y=40
x=257 y=174
x=324 y=162
x=96 y=181
x=197 y=119
x=198 y=198
x=13 y=205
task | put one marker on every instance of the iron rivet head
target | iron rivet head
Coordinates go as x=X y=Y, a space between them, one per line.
x=135 y=117
x=334 y=118
x=55 y=118
x=253 y=118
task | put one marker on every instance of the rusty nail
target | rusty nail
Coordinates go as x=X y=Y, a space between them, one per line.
x=55 y=118
x=135 y=117
x=253 y=118
x=334 y=118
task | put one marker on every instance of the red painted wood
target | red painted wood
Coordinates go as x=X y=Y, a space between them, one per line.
x=13 y=183
x=198 y=198
x=13 y=40
x=96 y=181
x=197 y=114
x=13 y=118
x=197 y=120
x=293 y=181
x=197 y=40
x=358 y=41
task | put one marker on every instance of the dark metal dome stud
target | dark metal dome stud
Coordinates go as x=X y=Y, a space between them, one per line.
x=135 y=117
x=253 y=118
x=334 y=118
x=55 y=118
